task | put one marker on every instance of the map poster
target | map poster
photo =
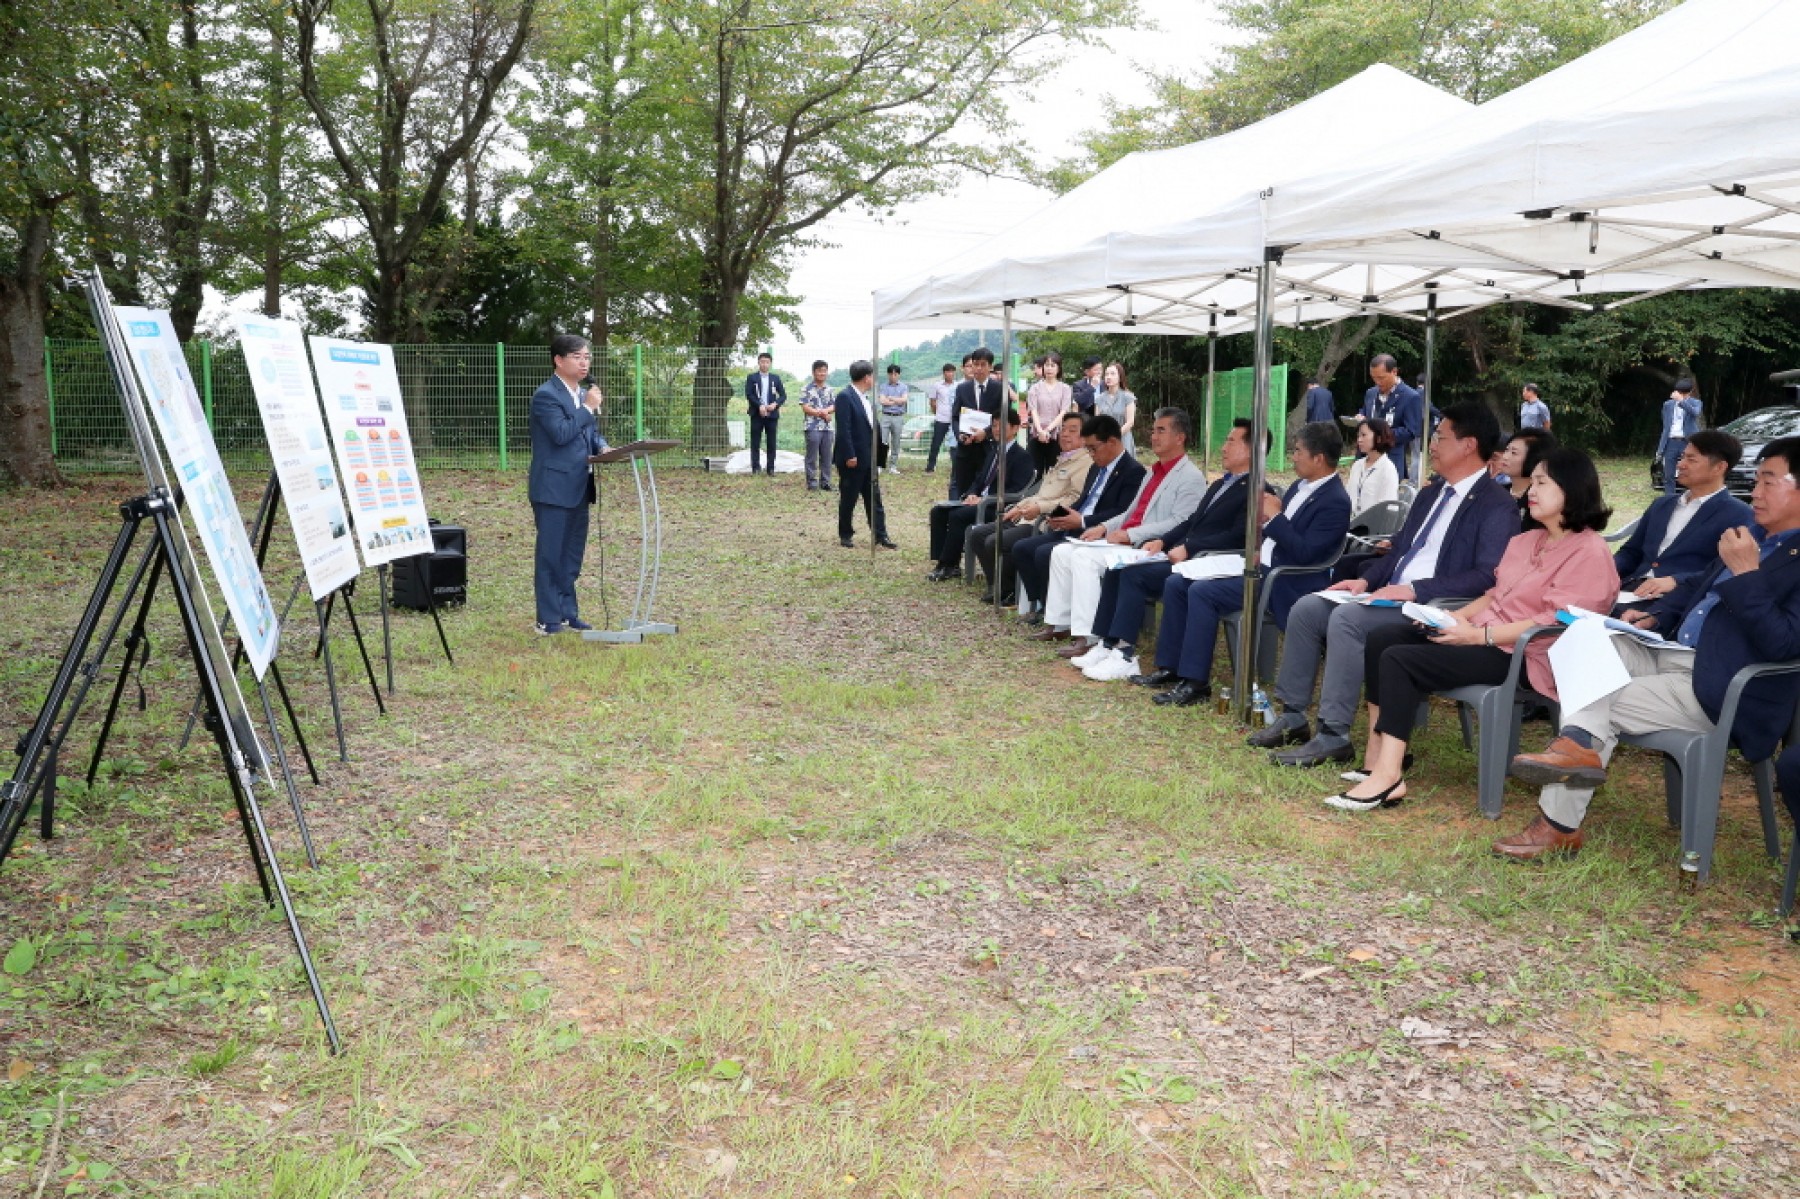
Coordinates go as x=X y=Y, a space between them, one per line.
x=275 y=353
x=374 y=450
x=156 y=353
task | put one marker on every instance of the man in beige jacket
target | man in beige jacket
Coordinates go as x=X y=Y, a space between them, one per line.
x=1061 y=487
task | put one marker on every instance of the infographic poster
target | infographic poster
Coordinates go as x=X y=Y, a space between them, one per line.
x=275 y=353
x=367 y=423
x=168 y=385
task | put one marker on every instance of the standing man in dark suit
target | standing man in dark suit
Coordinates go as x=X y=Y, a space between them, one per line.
x=856 y=451
x=1677 y=538
x=950 y=523
x=1453 y=538
x=1318 y=403
x=1085 y=387
x=980 y=390
x=1112 y=484
x=1680 y=421
x=765 y=395
x=564 y=434
x=1745 y=609
x=1402 y=407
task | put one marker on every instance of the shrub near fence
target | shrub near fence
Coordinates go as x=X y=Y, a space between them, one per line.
x=467 y=405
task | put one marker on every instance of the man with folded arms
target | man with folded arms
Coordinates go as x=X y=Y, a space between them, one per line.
x=1111 y=485
x=1168 y=493
x=1453 y=538
x=1677 y=538
x=950 y=523
x=1216 y=524
x=1304 y=527
x=1061 y=488
x=1745 y=609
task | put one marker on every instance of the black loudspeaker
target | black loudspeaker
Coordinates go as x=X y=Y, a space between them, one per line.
x=441 y=576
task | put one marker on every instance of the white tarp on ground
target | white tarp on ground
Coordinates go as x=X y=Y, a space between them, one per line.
x=1063 y=264
x=1672 y=150
x=786 y=462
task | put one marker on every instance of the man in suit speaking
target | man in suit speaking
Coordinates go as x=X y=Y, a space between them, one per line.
x=564 y=433
x=857 y=455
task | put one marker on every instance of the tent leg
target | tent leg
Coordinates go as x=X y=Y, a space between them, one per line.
x=1206 y=427
x=1243 y=684
x=1000 y=448
x=1423 y=442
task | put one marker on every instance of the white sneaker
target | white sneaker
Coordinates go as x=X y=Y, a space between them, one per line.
x=1095 y=653
x=1112 y=669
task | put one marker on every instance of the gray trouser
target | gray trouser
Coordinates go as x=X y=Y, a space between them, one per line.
x=891 y=429
x=1660 y=695
x=818 y=457
x=1320 y=632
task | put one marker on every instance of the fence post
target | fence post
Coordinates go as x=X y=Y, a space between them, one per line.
x=500 y=395
x=637 y=387
x=206 y=379
x=50 y=390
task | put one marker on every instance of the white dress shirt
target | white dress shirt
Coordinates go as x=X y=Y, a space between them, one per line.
x=1686 y=508
x=1424 y=563
x=1297 y=501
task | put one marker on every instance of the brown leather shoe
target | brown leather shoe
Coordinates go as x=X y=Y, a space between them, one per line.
x=1563 y=762
x=1049 y=634
x=1539 y=839
x=1074 y=651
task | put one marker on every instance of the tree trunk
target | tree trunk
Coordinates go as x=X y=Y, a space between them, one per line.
x=712 y=390
x=25 y=453
x=1341 y=345
x=273 y=156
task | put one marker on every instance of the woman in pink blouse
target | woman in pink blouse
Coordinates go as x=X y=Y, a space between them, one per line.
x=1045 y=404
x=1565 y=562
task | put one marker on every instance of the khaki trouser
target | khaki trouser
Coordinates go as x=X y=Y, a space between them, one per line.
x=1659 y=696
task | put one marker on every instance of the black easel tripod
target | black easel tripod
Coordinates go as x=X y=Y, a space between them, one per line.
x=225 y=715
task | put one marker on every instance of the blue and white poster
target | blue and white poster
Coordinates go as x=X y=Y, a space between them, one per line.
x=169 y=386
x=367 y=423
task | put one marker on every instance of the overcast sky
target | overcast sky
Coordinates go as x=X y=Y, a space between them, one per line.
x=835 y=285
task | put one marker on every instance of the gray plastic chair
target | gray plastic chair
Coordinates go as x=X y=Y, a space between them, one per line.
x=1625 y=530
x=1269 y=636
x=984 y=514
x=1499 y=712
x=1694 y=771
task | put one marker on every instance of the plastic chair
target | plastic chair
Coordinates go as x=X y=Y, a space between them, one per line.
x=1625 y=530
x=1499 y=712
x=1382 y=520
x=1268 y=635
x=984 y=514
x=1694 y=771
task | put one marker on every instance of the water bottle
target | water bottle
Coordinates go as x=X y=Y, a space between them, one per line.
x=1260 y=710
x=1690 y=871
x=1223 y=703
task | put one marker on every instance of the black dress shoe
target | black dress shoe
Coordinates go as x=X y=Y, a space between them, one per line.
x=885 y=544
x=847 y=543
x=1184 y=694
x=1156 y=678
x=1290 y=728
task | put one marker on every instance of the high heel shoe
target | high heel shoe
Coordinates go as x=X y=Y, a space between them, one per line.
x=1345 y=802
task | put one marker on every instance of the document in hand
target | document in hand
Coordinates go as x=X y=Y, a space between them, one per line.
x=1212 y=566
x=1425 y=614
x=973 y=420
x=1573 y=615
x=1585 y=666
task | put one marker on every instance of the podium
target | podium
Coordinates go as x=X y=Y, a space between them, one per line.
x=640 y=623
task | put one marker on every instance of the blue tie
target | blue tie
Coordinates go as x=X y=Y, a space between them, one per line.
x=1412 y=551
x=1093 y=495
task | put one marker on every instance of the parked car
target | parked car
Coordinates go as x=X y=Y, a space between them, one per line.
x=915 y=435
x=1755 y=430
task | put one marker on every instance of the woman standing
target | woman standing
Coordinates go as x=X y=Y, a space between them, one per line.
x=1113 y=400
x=1045 y=404
x=1563 y=563
x=1373 y=479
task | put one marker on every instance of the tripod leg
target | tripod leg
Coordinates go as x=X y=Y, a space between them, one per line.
x=324 y=620
x=442 y=640
x=323 y=611
x=363 y=648
x=387 y=636
x=294 y=720
x=287 y=777
x=47 y=797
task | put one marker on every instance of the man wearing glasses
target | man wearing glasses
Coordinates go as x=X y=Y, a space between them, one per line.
x=565 y=432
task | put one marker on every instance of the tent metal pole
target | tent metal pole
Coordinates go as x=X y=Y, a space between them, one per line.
x=1244 y=682
x=1206 y=428
x=1003 y=444
x=874 y=445
x=1423 y=442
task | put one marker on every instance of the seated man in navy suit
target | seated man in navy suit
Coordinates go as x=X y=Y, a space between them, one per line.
x=1217 y=523
x=1110 y=487
x=1677 y=538
x=1305 y=526
x=950 y=522
x=1745 y=609
x=564 y=433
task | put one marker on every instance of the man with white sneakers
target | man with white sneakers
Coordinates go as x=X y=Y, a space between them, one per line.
x=1167 y=495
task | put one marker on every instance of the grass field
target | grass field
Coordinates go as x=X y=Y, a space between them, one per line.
x=847 y=890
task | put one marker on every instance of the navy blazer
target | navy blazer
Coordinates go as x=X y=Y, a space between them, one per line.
x=1019 y=470
x=1757 y=620
x=989 y=401
x=753 y=392
x=563 y=435
x=1315 y=534
x=855 y=437
x=1122 y=483
x=1485 y=521
x=1690 y=554
x=1218 y=527
x=1690 y=420
x=1318 y=404
x=1405 y=414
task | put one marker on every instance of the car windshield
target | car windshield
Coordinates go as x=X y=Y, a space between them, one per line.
x=1765 y=424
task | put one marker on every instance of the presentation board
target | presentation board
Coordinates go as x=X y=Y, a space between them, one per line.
x=156 y=355
x=367 y=422
x=275 y=354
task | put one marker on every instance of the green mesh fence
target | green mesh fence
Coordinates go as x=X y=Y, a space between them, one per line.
x=1234 y=396
x=467 y=405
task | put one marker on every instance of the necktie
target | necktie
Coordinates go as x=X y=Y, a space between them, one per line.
x=1225 y=483
x=1093 y=495
x=1412 y=551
